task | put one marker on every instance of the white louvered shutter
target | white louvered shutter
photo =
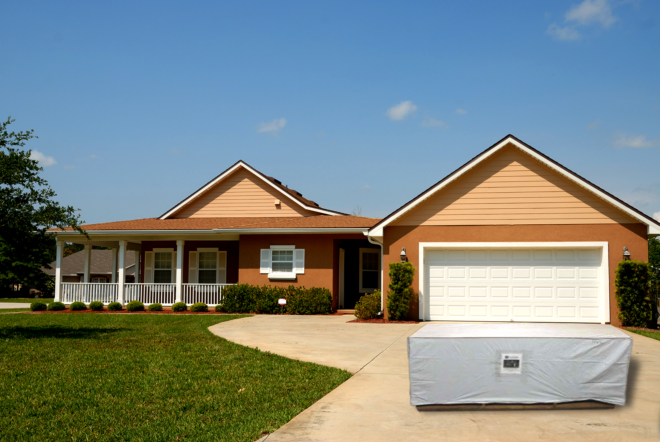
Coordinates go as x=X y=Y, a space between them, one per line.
x=192 y=267
x=148 y=267
x=265 y=261
x=222 y=268
x=299 y=261
x=173 y=267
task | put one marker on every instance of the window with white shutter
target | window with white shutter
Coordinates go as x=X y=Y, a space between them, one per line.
x=282 y=262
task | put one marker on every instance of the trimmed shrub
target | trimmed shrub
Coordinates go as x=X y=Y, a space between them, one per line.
x=56 y=306
x=179 y=307
x=135 y=306
x=632 y=294
x=115 y=307
x=156 y=307
x=96 y=306
x=314 y=301
x=400 y=291
x=38 y=306
x=199 y=307
x=77 y=306
x=218 y=309
x=368 y=306
x=266 y=301
x=240 y=298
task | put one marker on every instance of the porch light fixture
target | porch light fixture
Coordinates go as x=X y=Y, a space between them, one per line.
x=403 y=254
x=626 y=254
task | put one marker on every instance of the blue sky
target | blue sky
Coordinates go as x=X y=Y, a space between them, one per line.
x=137 y=104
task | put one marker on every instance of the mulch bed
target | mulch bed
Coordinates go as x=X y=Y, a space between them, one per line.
x=164 y=312
x=382 y=321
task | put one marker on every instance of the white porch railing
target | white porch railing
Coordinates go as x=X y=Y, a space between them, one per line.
x=88 y=292
x=149 y=293
x=209 y=294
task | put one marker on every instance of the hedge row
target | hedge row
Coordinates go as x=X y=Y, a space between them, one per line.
x=245 y=298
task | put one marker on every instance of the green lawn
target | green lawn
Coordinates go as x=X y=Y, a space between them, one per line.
x=144 y=378
x=27 y=300
x=647 y=333
x=13 y=310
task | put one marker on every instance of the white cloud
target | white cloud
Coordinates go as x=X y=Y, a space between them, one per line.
x=273 y=126
x=365 y=188
x=622 y=140
x=43 y=160
x=656 y=216
x=401 y=110
x=432 y=122
x=567 y=33
x=586 y=13
x=591 y=11
x=593 y=125
x=460 y=111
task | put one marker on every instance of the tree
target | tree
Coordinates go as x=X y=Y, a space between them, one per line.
x=654 y=276
x=400 y=291
x=27 y=211
x=632 y=293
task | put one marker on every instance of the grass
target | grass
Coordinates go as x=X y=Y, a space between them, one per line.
x=648 y=333
x=145 y=378
x=13 y=310
x=27 y=300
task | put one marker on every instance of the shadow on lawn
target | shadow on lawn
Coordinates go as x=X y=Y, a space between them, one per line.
x=54 y=331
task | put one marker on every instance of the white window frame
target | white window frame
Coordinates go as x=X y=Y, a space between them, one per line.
x=172 y=268
x=212 y=250
x=283 y=275
x=377 y=271
x=100 y=280
x=266 y=263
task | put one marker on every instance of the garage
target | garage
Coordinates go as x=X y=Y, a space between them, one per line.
x=504 y=282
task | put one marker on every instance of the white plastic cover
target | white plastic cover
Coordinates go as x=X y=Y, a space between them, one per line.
x=518 y=363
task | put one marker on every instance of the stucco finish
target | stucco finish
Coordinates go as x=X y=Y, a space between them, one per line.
x=617 y=236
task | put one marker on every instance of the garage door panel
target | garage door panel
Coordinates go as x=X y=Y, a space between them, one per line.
x=562 y=285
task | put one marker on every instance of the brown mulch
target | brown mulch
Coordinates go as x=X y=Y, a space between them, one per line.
x=164 y=312
x=382 y=321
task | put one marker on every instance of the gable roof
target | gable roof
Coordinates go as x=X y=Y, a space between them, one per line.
x=290 y=194
x=653 y=226
x=100 y=263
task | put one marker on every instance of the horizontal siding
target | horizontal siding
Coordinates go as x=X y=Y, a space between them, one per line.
x=241 y=195
x=513 y=188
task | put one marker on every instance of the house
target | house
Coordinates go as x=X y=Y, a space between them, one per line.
x=509 y=236
x=102 y=268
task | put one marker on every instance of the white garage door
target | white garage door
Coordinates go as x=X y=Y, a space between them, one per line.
x=540 y=285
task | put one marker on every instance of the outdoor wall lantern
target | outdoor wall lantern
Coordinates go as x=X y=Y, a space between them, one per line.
x=626 y=254
x=403 y=254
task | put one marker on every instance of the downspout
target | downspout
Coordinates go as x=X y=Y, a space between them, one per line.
x=382 y=289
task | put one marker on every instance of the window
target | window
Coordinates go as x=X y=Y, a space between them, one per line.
x=162 y=267
x=369 y=270
x=208 y=268
x=99 y=280
x=282 y=261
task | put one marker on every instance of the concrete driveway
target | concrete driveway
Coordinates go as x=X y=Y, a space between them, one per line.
x=374 y=404
x=8 y=305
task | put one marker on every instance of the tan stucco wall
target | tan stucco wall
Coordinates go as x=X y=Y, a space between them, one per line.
x=617 y=236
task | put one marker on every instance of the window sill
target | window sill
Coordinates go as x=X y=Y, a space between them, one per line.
x=282 y=276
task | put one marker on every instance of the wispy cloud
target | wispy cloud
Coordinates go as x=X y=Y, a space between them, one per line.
x=432 y=122
x=622 y=141
x=44 y=160
x=460 y=111
x=401 y=110
x=593 y=125
x=584 y=14
x=273 y=126
x=365 y=188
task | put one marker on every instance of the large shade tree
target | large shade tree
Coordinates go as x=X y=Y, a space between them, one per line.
x=27 y=211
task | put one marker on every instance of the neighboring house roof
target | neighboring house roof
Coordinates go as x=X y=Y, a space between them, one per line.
x=290 y=194
x=653 y=226
x=254 y=223
x=100 y=263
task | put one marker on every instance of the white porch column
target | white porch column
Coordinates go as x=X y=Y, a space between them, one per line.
x=179 y=270
x=88 y=259
x=137 y=266
x=114 y=265
x=121 y=272
x=58 y=271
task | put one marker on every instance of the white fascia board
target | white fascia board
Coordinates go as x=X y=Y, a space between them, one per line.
x=297 y=230
x=652 y=229
x=363 y=230
x=255 y=173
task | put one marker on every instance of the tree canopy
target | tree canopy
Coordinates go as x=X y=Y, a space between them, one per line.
x=27 y=211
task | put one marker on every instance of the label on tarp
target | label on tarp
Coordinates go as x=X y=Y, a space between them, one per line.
x=511 y=363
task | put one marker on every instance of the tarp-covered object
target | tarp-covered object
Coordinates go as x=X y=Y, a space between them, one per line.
x=518 y=363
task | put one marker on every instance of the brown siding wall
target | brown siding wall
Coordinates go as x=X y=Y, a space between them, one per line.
x=511 y=187
x=241 y=195
x=617 y=236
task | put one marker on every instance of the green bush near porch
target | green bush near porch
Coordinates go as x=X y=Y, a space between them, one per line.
x=368 y=306
x=400 y=290
x=135 y=306
x=632 y=294
x=77 y=306
x=246 y=298
x=199 y=307
x=56 y=306
x=179 y=307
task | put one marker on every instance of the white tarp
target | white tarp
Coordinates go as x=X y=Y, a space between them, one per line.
x=518 y=363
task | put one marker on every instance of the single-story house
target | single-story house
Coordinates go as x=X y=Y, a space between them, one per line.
x=509 y=236
x=102 y=266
